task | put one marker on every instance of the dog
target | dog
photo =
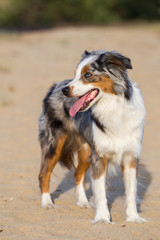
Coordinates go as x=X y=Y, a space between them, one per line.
x=98 y=118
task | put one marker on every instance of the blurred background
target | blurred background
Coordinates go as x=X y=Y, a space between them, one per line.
x=41 y=42
x=31 y=14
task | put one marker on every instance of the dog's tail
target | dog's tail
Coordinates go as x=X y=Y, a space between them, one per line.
x=48 y=147
x=73 y=146
x=68 y=157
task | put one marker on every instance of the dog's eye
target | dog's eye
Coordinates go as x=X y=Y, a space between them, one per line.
x=87 y=75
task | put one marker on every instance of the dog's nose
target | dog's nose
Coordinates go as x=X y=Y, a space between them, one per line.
x=66 y=91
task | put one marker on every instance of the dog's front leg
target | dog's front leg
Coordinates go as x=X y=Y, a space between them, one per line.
x=98 y=178
x=129 y=173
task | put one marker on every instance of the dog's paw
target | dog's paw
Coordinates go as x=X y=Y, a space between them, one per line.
x=99 y=218
x=85 y=204
x=136 y=219
x=46 y=201
x=48 y=206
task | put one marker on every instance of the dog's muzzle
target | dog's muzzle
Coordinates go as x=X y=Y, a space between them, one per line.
x=66 y=91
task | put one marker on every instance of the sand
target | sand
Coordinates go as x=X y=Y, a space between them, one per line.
x=29 y=63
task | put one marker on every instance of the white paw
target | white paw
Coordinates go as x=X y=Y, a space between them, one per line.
x=99 y=218
x=85 y=204
x=46 y=201
x=136 y=218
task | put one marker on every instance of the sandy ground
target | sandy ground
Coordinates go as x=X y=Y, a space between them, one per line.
x=29 y=64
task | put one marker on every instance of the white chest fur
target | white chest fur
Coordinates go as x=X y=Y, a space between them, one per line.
x=123 y=122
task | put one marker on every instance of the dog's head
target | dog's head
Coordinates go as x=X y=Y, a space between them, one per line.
x=98 y=73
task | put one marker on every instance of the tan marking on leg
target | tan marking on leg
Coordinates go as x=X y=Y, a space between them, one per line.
x=99 y=167
x=133 y=163
x=83 y=164
x=48 y=165
x=122 y=168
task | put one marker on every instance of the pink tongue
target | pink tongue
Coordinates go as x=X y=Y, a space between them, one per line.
x=77 y=106
x=79 y=103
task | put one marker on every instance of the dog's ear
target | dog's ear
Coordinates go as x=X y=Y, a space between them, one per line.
x=124 y=60
x=116 y=58
x=85 y=54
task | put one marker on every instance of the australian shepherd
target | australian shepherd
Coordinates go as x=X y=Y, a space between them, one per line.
x=98 y=118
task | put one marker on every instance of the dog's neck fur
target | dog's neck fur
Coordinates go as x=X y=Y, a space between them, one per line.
x=106 y=107
x=110 y=104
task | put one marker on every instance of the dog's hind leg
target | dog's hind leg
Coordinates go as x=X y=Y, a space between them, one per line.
x=49 y=160
x=129 y=173
x=83 y=164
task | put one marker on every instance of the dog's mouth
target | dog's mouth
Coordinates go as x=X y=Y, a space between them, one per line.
x=83 y=102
